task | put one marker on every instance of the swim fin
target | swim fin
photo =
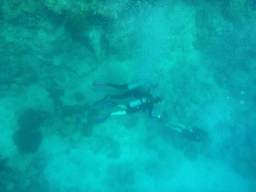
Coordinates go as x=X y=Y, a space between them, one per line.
x=99 y=121
x=108 y=103
x=99 y=84
x=100 y=101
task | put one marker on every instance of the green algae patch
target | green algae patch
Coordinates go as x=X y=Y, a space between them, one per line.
x=30 y=6
x=76 y=21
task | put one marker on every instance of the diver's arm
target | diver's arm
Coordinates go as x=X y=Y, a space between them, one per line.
x=176 y=126
x=157 y=109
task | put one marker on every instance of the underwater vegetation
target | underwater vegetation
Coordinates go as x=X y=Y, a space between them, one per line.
x=30 y=119
x=27 y=138
x=27 y=141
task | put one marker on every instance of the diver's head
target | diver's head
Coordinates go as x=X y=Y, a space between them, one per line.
x=158 y=100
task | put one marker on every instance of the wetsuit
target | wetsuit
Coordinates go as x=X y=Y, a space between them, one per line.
x=143 y=102
x=136 y=93
x=194 y=134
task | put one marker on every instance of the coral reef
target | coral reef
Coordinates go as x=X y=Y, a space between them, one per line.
x=88 y=126
x=68 y=125
x=21 y=11
x=95 y=38
x=30 y=119
x=57 y=7
x=30 y=6
x=236 y=9
x=79 y=96
x=27 y=141
x=76 y=22
x=205 y=28
x=61 y=78
x=190 y=47
x=65 y=125
x=54 y=95
x=27 y=138
x=3 y=164
x=106 y=146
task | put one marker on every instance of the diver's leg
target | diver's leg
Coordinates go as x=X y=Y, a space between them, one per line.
x=130 y=86
x=102 y=120
x=134 y=85
x=122 y=106
x=125 y=86
x=123 y=96
x=129 y=110
x=123 y=112
x=175 y=125
x=175 y=128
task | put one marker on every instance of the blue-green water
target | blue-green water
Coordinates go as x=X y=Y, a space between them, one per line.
x=202 y=55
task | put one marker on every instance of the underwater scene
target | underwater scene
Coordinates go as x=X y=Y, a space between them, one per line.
x=127 y=95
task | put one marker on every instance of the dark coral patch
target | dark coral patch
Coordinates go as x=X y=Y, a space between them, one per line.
x=30 y=119
x=27 y=141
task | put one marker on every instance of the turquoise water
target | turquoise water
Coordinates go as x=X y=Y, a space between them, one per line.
x=202 y=55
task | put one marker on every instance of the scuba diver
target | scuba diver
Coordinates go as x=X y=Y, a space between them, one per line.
x=192 y=133
x=143 y=100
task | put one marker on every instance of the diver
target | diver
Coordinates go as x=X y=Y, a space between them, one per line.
x=143 y=100
x=191 y=133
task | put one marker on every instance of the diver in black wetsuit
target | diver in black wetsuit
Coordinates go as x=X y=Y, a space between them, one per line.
x=192 y=133
x=143 y=102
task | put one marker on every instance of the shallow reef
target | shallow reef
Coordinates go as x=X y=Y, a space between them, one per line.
x=197 y=55
x=27 y=141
